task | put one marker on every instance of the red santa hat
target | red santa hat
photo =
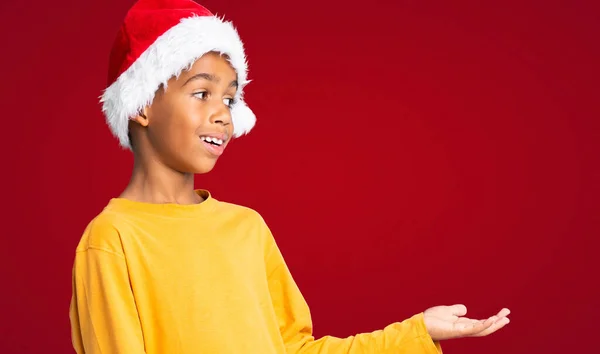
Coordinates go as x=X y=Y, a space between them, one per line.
x=157 y=41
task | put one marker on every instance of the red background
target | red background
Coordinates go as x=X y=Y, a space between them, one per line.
x=407 y=154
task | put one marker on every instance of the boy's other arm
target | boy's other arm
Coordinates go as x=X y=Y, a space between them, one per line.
x=409 y=336
x=103 y=314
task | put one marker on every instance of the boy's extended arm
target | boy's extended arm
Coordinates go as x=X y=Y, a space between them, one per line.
x=103 y=314
x=295 y=321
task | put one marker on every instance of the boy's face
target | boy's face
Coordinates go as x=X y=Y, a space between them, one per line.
x=188 y=125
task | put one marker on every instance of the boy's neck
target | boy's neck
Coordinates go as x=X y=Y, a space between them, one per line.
x=158 y=184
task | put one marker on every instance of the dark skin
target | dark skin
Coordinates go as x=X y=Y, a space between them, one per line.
x=165 y=136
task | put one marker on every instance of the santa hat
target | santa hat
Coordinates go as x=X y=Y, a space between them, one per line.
x=157 y=41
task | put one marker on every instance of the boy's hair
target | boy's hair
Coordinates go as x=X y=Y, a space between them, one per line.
x=157 y=41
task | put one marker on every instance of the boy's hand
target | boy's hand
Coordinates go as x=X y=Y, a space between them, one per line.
x=447 y=322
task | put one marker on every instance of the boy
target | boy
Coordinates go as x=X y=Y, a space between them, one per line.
x=165 y=268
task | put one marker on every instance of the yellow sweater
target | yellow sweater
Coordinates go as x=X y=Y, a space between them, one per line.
x=204 y=278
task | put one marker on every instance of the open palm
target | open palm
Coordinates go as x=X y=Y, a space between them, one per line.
x=448 y=322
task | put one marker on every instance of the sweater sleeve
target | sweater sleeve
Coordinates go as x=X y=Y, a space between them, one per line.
x=295 y=324
x=103 y=314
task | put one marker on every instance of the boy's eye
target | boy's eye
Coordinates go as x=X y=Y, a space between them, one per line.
x=229 y=102
x=200 y=95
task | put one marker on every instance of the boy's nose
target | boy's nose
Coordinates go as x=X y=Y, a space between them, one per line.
x=221 y=115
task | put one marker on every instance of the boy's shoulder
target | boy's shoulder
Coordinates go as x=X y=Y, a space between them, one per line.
x=103 y=233
x=238 y=209
x=243 y=215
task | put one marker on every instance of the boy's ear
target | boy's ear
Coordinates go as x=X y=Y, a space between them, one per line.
x=142 y=117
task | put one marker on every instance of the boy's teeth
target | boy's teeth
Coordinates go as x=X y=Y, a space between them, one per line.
x=208 y=139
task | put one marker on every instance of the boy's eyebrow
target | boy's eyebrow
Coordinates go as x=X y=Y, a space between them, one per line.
x=209 y=77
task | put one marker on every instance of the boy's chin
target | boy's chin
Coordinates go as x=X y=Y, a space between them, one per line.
x=204 y=167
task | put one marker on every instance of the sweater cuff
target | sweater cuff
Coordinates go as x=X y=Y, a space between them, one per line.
x=429 y=345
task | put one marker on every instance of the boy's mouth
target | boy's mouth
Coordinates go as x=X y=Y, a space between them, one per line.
x=214 y=145
x=213 y=141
